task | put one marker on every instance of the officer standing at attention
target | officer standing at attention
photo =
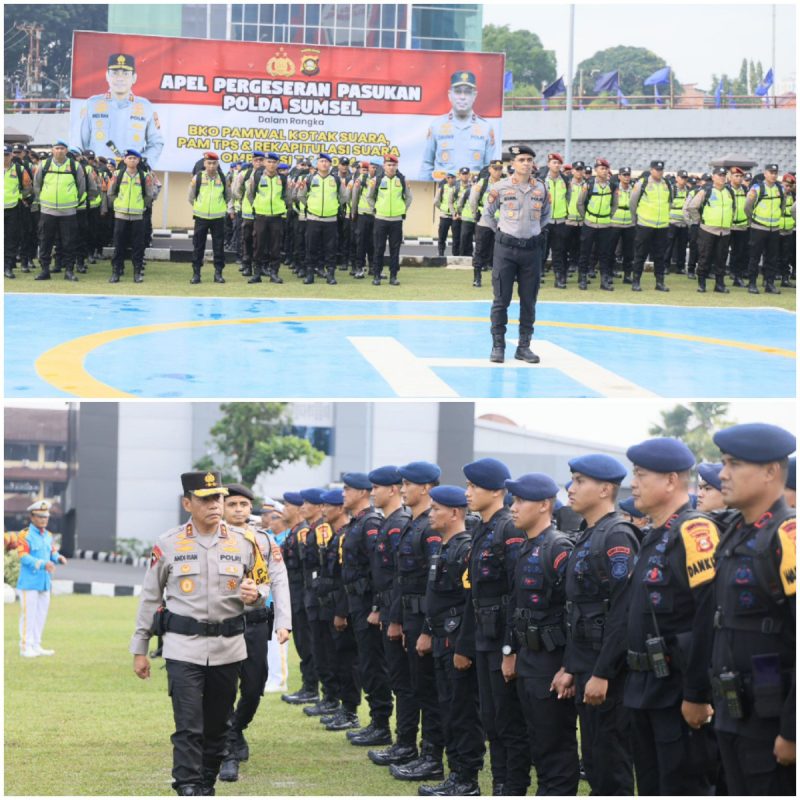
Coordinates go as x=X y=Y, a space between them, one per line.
x=495 y=546
x=557 y=185
x=271 y=576
x=668 y=649
x=678 y=231
x=17 y=187
x=651 y=199
x=466 y=218
x=121 y=117
x=363 y=221
x=462 y=188
x=754 y=617
x=594 y=660
x=210 y=202
x=536 y=634
x=594 y=205
x=457 y=688
x=267 y=194
x=622 y=228
x=787 y=252
x=203 y=625
x=524 y=207
x=740 y=228
x=576 y=177
x=484 y=235
x=444 y=201
x=239 y=192
x=390 y=198
x=764 y=208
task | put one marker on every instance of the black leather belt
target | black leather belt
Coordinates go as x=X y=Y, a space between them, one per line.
x=512 y=241
x=187 y=626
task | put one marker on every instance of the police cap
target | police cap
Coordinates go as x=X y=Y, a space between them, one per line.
x=240 y=490
x=203 y=484
x=42 y=506
x=488 y=473
x=452 y=496
x=464 y=78
x=390 y=158
x=657 y=164
x=557 y=156
x=122 y=61
x=345 y=161
x=357 y=480
x=578 y=165
x=89 y=154
x=588 y=170
x=464 y=171
x=788 y=178
x=209 y=156
x=748 y=176
x=333 y=497
x=18 y=148
x=293 y=498
x=705 y=177
x=533 y=486
x=61 y=143
x=450 y=175
x=326 y=156
x=599 y=466
x=276 y=157
x=6 y=149
x=521 y=150
x=663 y=454
x=386 y=476
x=791 y=478
x=682 y=173
x=737 y=171
x=719 y=171
x=709 y=473
x=420 y=472
x=773 y=167
x=757 y=442
x=629 y=507
x=133 y=153
x=259 y=154
x=601 y=162
x=624 y=171
x=496 y=162
x=313 y=496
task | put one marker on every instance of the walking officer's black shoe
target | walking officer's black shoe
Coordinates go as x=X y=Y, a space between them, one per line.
x=524 y=352
x=701 y=284
x=114 y=277
x=720 y=287
x=9 y=272
x=453 y=786
x=190 y=790
x=498 y=789
x=255 y=275
x=498 y=355
x=218 y=276
x=69 y=275
x=229 y=771
x=771 y=288
x=395 y=754
x=738 y=283
x=300 y=698
x=138 y=276
x=195 y=276
x=393 y=280
x=636 y=286
x=361 y=731
x=273 y=277
x=661 y=286
x=751 y=287
x=439 y=789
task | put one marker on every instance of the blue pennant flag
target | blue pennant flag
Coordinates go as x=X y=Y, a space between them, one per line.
x=718 y=95
x=657 y=96
x=764 y=87
x=556 y=87
x=508 y=81
x=607 y=82
x=659 y=76
x=621 y=97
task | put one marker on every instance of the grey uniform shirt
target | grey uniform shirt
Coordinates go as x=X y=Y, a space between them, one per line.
x=524 y=208
x=199 y=577
x=278 y=579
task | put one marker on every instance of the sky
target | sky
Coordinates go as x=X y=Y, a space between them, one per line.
x=696 y=40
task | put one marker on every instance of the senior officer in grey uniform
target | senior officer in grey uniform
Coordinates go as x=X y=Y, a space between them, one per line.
x=195 y=593
x=460 y=138
x=258 y=631
x=524 y=205
x=120 y=116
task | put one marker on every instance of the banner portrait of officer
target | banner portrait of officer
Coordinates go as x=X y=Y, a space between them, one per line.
x=119 y=116
x=460 y=138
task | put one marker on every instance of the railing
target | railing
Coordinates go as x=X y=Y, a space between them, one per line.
x=647 y=102
x=36 y=105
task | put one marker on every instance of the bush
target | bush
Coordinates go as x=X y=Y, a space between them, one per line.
x=11 y=568
x=135 y=548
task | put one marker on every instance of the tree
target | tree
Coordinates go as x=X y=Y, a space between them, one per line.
x=255 y=438
x=695 y=424
x=527 y=60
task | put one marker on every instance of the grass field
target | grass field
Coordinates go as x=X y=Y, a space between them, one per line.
x=81 y=723
x=417 y=283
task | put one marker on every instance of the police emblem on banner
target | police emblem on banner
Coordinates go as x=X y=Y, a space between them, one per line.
x=280 y=65
x=310 y=62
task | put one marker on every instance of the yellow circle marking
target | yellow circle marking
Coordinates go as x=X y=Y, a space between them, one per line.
x=63 y=366
x=187 y=585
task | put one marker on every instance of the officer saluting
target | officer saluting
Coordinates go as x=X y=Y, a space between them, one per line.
x=121 y=117
x=203 y=570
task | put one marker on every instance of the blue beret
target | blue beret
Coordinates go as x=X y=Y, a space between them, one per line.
x=284 y=165
x=567 y=485
x=453 y=496
x=791 y=478
x=628 y=507
x=508 y=500
x=324 y=155
x=272 y=157
x=710 y=474
x=420 y=472
x=599 y=466
x=61 y=143
x=313 y=496
x=489 y=473
x=333 y=497
x=533 y=486
x=356 y=480
x=74 y=151
x=757 y=442
x=293 y=498
x=259 y=154
x=662 y=455
x=385 y=476
x=133 y=153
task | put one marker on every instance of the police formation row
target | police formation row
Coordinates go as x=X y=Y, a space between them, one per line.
x=670 y=641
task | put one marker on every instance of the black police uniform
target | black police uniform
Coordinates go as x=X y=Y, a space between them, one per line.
x=457 y=690
x=301 y=631
x=754 y=651
x=536 y=631
x=597 y=573
x=496 y=545
x=670 y=582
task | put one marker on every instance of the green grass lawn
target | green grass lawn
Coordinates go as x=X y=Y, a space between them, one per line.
x=81 y=723
x=417 y=283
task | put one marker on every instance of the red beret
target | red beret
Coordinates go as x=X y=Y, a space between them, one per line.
x=390 y=157
x=557 y=156
x=364 y=164
x=737 y=171
x=211 y=156
x=567 y=166
x=788 y=178
x=601 y=162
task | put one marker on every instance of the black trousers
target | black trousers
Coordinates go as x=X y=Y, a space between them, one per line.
x=572 y=245
x=202 y=700
x=248 y=241
x=372 y=669
x=325 y=657
x=346 y=666
x=268 y=239
x=12 y=235
x=557 y=242
x=504 y=723
x=456 y=233
x=623 y=237
x=299 y=251
x=751 y=769
x=29 y=243
x=712 y=254
x=406 y=703
x=740 y=241
x=345 y=235
x=458 y=706
x=766 y=243
x=788 y=254
x=202 y=227
x=128 y=233
x=670 y=758
x=301 y=633
x=322 y=240
x=484 y=247
x=422 y=671
x=512 y=264
x=654 y=242
x=287 y=249
x=253 y=674
x=82 y=239
x=445 y=224
x=677 y=239
x=63 y=230
x=95 y=238
x=595 y=243
x=390 y=231
x=605 y=741
x=365 y=241
x=693 y=246
x=551 y=731
x=466 y=236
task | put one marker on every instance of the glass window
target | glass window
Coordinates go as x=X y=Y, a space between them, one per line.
x=55 y=452
x=281 y=13
x=236 y=12
x=387 y=39
x=343 y=16
x=296 y=15
x=265 y=33
x=326 y=36
x=20 y=486
x=402 y=15
x=279 y=33
x=401 y=40
x=342 y=37
x=250 y=33
x=54 y=489
x=266 y=13
x=312 y=36
x=373 y=38
x=193 y=21
x=250 y=13
x=312 y=14
x=387 y=15
x=19 y=451
x=358 y=15
x=373 y=16
x=236 y=33
x=327 y=15
x=219 y=21
x=356 y=37
x=296 y=34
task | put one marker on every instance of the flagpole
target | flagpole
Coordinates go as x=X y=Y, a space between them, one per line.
x=570 y=55
x=671 y=91
x=772 y=88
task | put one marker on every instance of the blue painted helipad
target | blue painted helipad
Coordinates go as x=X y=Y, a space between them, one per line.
x=95 y=346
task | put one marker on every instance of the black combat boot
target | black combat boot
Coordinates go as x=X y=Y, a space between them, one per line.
x=332 y=277
x=561 y=280
x=195 y=275
x=69 y=275
x=582 y=282
x=348 y=720
x=524 y=352
x=701 y=284
x=660 y=285
x=427 y=767
x=138 y=276
x=327 y=706
x=273 y=276
x=476 y=277
x=770 y=287
x=378 y=735
x=393 y=279
x=254 y=273
x=395 y=754
x=229 y=771
x=301 y=698
x=498 y=354
x=607 y=283
x=218 y=276
x=720 y=287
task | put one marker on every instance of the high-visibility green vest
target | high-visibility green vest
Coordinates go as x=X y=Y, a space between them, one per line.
x=572 y=206
x=739 y=217
x=245 y=205
x=60 y=189
x=718 y=209
x=323 y=196
x=12 y=190
x=268 y=200
x=767 y=210
x=787 y=221
x=653 y=208
x=209 y=202
x=558 y=197
x=97 y=200
x=446 y=200
x=598 y=208
x=363 y=197
x=622 y=215
x=390 y=202
x=130 y=194
x=466 y=208
x=676 y=207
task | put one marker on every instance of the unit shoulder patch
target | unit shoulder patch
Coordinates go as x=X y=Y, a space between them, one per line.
x=788 y=567
x=700 y=539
